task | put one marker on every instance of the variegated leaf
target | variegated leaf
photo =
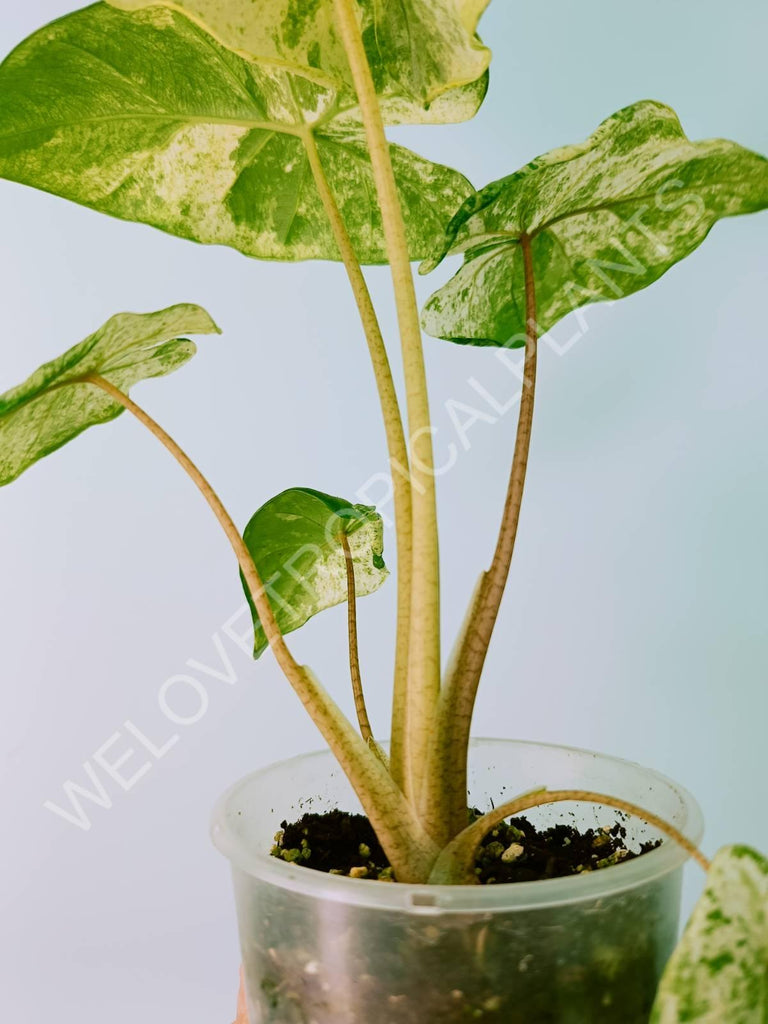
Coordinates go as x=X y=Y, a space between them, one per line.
x=54 y=405
x=295 y=541
x=605 y=218
x=719 y=972
x=145 y=117
x=428 y=64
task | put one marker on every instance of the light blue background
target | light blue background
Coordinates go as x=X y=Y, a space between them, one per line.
x=635 y=622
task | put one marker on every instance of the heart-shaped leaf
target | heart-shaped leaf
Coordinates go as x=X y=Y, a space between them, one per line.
x=719 y=972
x=295 y=541
x=427 y=62
x=146 y=117
x=54 y=405
x=605 y=218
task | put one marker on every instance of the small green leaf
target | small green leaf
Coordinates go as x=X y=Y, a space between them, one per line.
x=146 y=117
x=427 y=62
x=606 y=218
x=295 y=541
x=53 y=406
x=719 y=972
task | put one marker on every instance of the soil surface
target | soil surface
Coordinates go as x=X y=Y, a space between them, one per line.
x=515 y=851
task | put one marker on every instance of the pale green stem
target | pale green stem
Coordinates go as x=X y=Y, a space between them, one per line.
x=396 y=444
x=447 y=776
x=424 y=655
x=408 y=847
x=455 y=865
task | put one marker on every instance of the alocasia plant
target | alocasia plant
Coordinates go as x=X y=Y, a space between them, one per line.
x=262 y=127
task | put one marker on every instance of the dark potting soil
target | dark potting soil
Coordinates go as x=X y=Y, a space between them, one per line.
x=516 y=851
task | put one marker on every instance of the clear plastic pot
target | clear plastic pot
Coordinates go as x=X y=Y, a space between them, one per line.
x=322 y=949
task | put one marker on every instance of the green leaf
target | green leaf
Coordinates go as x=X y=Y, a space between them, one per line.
x=295 y=541
x=719 y=972
x=427 y=62
x=146 y=117
x=54 y=405
x=606 y=218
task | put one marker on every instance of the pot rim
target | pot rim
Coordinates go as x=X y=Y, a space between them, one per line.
x=436 y=899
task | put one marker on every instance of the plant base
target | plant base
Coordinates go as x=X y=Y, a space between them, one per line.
x=323 y=949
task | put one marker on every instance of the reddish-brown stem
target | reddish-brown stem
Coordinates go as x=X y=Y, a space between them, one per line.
x=354 y=652
x=447 y=777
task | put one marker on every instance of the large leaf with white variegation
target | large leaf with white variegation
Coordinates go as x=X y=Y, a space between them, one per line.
x=146 y=117
x=56 y=403
x=605 y=218
x=719 y=972
x=296 y=543
x=427 y=62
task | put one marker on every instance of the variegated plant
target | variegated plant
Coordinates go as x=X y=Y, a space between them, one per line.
x=719 y=972
x=262 y=127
